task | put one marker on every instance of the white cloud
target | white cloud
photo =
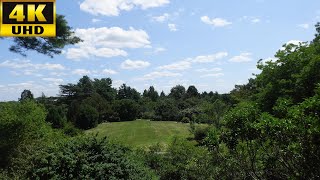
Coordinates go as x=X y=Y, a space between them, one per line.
x=23 y=64
x=117 y=83
x=107 y=42
x=243 y=57
x=129 y=64
x=251 y=19
x=269 y=59
x=216 y=22
x=59 y=74
x=159 y=74
x=109 y=72
x=94 y=20
x=55 y=81
x=304 y=26
x=156 y=51
x=187 y=63
x=13 y=90
x=182 y=65
x=209 y=70
x=208 y=58
x=31 y=72
x=172 y=27
x=294 y=42
x=161 y=18
x=213 y=75
x=159 y=50
x=81 y=72
x=255 y=20
x=114 y=7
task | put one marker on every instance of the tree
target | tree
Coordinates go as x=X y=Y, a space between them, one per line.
x=47 y=46
x=151 y=93
x=177 y=92
x=102 y=106
x=104 y=88
x=87 y=117
x=127 y=109
x=126 y=92
x=162 y=94
x=26 y=95
x=167 y=110
x=85 y=85
x=192 y=92
x=56 y=116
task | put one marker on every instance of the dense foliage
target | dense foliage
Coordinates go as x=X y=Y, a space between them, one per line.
x=86 y=158
x=274 y=132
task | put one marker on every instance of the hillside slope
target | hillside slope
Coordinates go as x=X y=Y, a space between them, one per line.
x=142 y=133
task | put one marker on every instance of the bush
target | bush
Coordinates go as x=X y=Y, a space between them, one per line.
x=86 y=158
x=56 y=116
x=200 y=133
x=185 y=120
x=21 y=124
x=70 y=130
x=88 y=117
x=148 y=115
x=182 y=160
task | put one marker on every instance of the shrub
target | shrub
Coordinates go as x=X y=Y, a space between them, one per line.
x=86 y=158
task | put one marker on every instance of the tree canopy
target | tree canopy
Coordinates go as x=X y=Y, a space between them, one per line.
x=49 y=46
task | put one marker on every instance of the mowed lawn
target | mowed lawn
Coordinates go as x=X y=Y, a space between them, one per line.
x=142 y=133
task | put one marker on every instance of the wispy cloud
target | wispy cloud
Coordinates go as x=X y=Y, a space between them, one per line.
x=182 y=65
x=159 y=74
x=114 y=7
x=23 y=64
x=109 y=72
x=81 y=72
x=173 y=27
x=216 y=22
x=129 y=64
x=161 y=18
x=209 y=70
x=216 y=75
x=243 y=57
x=304 y=26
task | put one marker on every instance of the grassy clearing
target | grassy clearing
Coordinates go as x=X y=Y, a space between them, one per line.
x=142 y=133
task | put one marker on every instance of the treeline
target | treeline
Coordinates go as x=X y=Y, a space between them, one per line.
x=93 y=101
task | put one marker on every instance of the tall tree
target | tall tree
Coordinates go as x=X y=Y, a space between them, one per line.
x=104 y=88
x=126 y=92
x=178 y=92
x=192 y=92
x=151 y=93
x=26 y=95
x=86 y=86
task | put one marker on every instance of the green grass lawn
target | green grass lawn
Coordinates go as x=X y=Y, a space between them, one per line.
x=142 y=133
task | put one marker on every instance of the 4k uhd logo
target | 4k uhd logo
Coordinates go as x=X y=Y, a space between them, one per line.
x=27 y=18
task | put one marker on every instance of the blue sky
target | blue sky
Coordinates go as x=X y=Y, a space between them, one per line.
x=207 y=43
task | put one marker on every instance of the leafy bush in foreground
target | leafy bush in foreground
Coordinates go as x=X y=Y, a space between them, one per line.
x=86 y=158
